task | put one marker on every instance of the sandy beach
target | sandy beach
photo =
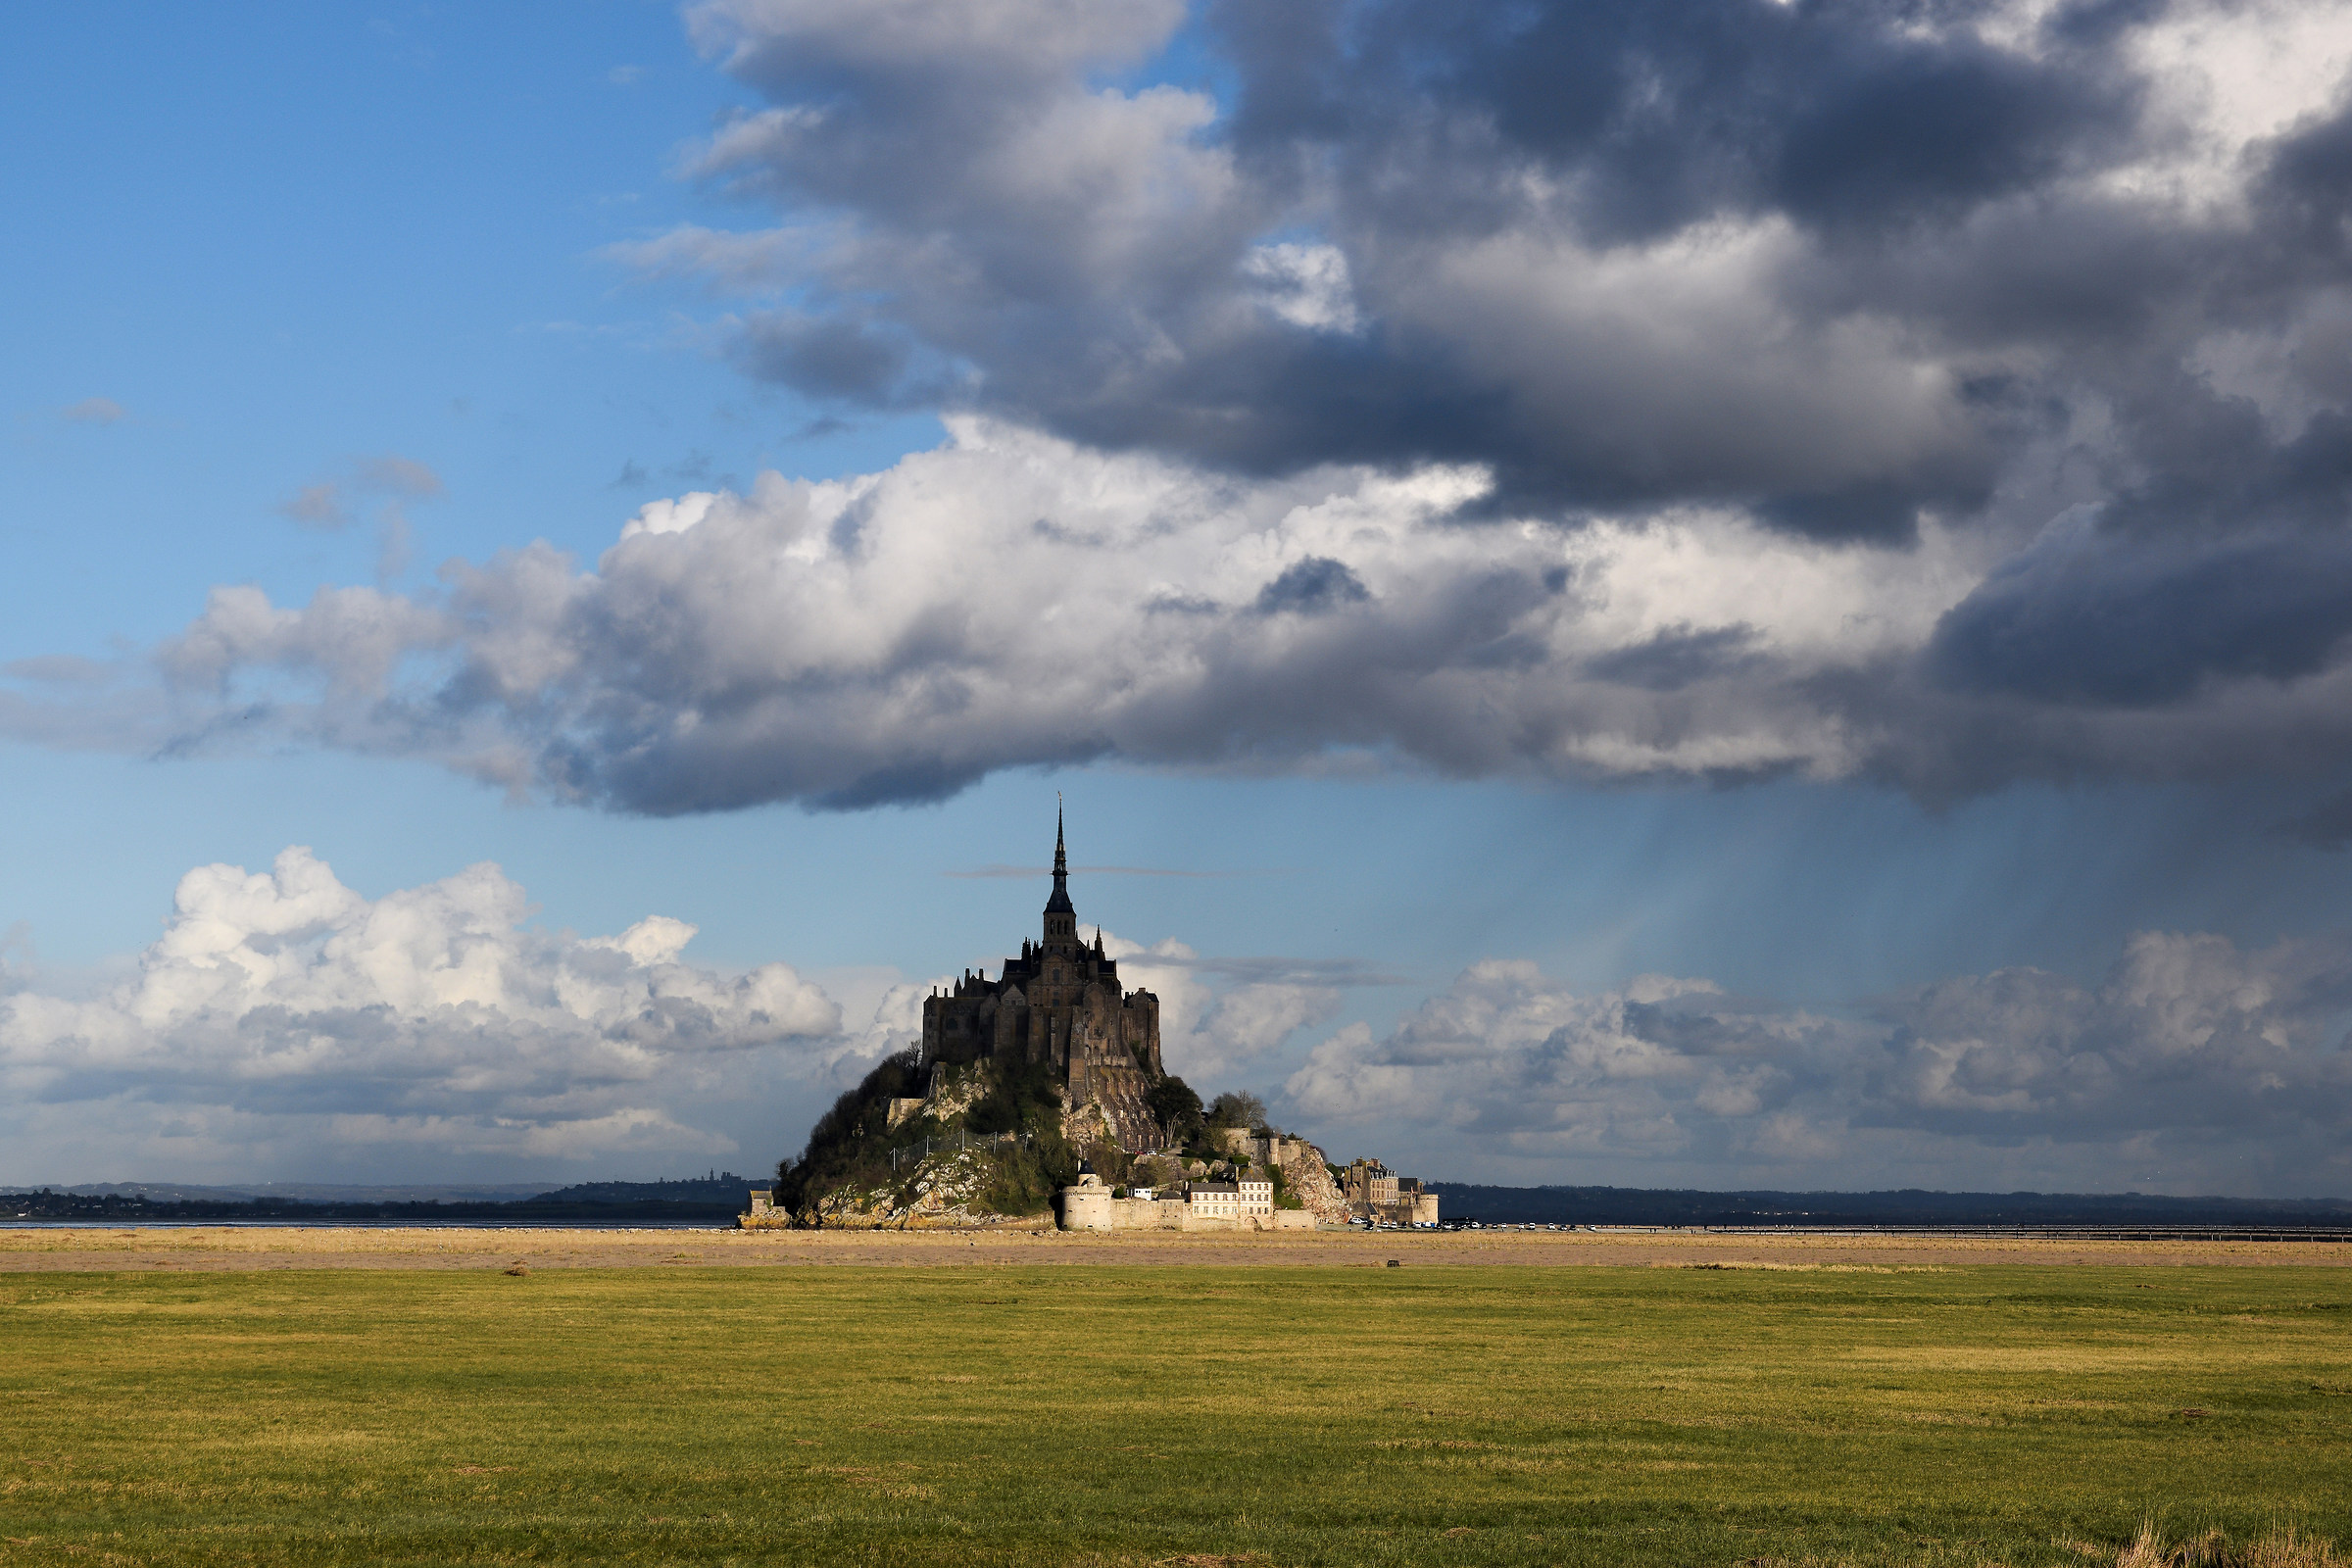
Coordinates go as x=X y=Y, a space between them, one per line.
x=230 y=1248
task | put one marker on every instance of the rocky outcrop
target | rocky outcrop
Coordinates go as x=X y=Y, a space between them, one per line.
x=1306 y=1177
x=955 y=1090
x=943 y=1192
x=1085 y=1125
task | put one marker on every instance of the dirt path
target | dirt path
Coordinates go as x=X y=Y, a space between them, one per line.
x=224 y=1248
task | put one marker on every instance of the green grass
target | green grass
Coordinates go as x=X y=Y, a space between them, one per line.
x=990 y=1415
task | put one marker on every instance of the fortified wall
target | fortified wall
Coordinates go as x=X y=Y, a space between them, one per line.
x=1367 y=1194
x=1089 y=1206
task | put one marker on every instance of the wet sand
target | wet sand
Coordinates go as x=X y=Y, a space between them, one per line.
x=108 y=1248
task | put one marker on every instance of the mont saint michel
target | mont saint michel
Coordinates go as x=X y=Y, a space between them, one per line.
x=1040 y=1096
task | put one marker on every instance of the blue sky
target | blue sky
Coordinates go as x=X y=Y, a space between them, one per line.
x=1925 y=769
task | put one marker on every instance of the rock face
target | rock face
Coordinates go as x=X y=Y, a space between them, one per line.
x=1306 y=1177
x=953 y=1092
x=941 y=1193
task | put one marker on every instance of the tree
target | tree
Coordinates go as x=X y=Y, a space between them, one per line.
x=1175 y=1107
x=1234 y=1109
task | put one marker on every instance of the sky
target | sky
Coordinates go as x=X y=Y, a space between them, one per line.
x=1734 y=595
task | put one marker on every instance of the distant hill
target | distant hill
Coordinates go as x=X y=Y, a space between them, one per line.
x=1635 y=1205
x=313 y=1192
x=722 y=1195
x=723 y=1187
x=718 y=1196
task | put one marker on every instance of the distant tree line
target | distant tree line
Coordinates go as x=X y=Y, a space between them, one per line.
x=1631 y=1206
x=46 y=1204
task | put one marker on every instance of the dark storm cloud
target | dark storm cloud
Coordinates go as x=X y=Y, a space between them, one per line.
x=1675 y=657
x=1310 y=587
x=834 y=359
x=1864 y=114
x=1468 y=168
x=1839 y=266
x=2100 y=621
x=1941 y=393
x=2235 y=563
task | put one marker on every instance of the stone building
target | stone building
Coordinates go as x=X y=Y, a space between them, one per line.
x=1374 y=1193
x=1059 y=1004
x=1368 y=1185
x=1249 y=1205
x=1244 y=1197
x=1212 y=1199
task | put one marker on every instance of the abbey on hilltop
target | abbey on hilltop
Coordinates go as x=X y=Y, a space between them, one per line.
x=1060 y=1005
x=1039 y=1096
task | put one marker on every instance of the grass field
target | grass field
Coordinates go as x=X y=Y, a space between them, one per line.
x=1047 y=1414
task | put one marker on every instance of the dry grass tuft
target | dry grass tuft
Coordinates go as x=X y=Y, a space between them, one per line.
x=2281 y=1548
x=1761 y=1266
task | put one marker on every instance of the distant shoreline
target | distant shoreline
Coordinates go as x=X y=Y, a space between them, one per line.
x=102 y=1248
x=590 y=1224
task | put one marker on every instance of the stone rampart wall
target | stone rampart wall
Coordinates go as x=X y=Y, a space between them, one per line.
x=1092 y=1208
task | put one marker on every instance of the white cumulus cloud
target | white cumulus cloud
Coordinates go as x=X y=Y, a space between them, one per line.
x=287 y=1005
x=2192 y=1066
x=1012 y=598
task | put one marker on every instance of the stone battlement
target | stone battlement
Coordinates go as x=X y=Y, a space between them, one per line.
x=1089 y=1205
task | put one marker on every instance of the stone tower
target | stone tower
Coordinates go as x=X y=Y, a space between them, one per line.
x=1060 y=1005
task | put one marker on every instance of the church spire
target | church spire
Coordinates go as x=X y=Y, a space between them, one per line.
x=1059 y=902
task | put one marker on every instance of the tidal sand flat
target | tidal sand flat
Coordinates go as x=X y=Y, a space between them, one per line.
x=81 y=1248
x=1067 y=1402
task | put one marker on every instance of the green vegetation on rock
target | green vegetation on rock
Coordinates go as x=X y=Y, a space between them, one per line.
x=993 y=1145
x=993 y=1140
